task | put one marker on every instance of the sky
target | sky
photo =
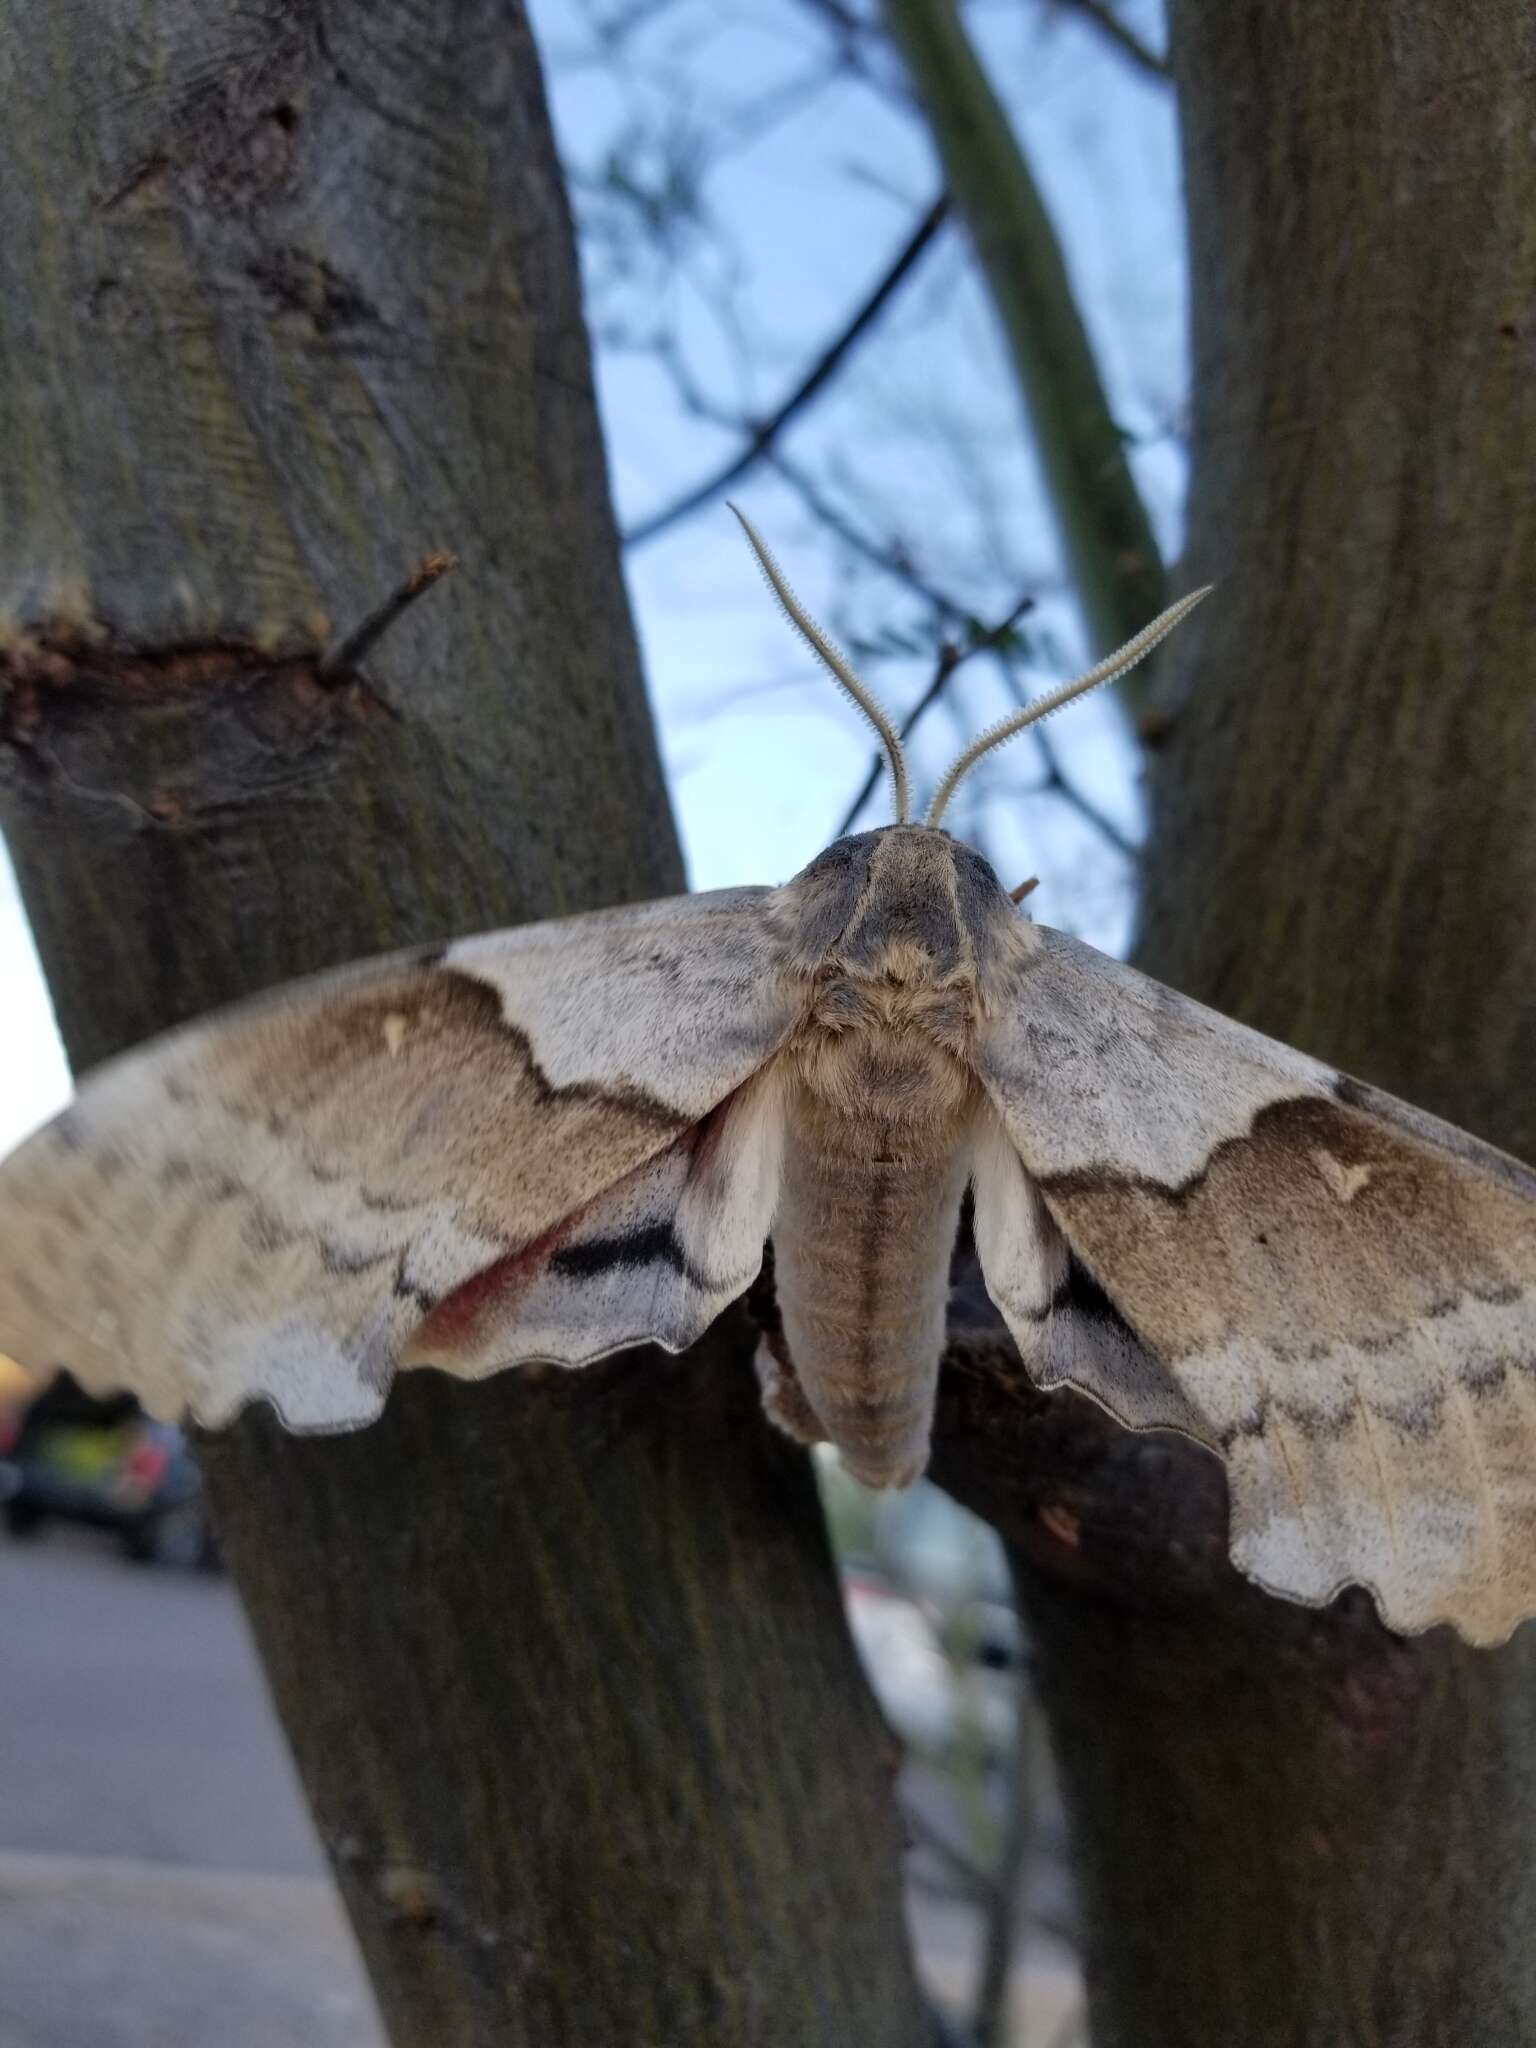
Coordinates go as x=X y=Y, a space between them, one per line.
x=803 y=182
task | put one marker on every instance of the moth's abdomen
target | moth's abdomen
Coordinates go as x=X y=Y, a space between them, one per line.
x=865 y=1230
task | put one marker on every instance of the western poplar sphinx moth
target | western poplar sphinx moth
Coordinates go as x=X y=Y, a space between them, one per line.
x=558 y=1141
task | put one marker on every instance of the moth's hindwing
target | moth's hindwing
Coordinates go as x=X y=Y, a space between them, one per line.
x=1338 y=1292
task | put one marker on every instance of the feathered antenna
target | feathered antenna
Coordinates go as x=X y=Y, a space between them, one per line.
x=842 y=674
x=1105 y=671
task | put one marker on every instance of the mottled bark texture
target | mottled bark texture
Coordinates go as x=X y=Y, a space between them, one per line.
x=288 y=297
x=1294 y=1830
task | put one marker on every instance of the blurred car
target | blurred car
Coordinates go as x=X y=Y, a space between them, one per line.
x=66 y=1454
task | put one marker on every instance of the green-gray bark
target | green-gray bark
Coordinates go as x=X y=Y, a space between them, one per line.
x=288 y=297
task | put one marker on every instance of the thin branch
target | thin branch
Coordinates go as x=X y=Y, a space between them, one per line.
x=1106 y=534
x=850 y=33
x=845 y=24
x=611 y=30
x=969 y=1882
x=990 y=2020
x=1056 y=783
x=1124 y=38
x=890 y=556
x=967 y=1878
x=821 y=372
x=951 y=657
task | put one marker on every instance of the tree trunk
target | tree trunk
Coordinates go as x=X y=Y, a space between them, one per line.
x=287 y=297
x=1294 y=1828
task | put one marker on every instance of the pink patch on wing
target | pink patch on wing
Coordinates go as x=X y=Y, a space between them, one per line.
x=457 y=1322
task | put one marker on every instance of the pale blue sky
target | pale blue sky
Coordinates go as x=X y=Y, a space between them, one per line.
x=804 y=204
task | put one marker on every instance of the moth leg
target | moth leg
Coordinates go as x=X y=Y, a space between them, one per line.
x=784 y=1401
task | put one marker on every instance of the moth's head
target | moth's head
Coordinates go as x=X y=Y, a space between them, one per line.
x=1005 y=729
x=905 y=906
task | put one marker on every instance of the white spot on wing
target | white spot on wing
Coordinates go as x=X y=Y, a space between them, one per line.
x=1344 y=1182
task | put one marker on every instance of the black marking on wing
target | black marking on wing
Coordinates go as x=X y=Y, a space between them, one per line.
x=1079 y=1293
x=344 y=1264
x=1320 y=1422
x=656 y=1244
x=405 y=1289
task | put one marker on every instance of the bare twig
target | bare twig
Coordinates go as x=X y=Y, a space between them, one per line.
x=850 y=32
x=349 y=653
x=967 y=1879
x=844 y=22
x=889 y=553
x=889 y=556
x=828 y=362
x=1125 y=39
x=611 y=30
x=1055 y=782
x=1106 y=534
x=951 y=657
x=990 y=2021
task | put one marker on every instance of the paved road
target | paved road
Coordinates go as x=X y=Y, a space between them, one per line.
x=107 y=1954
x=133 y=1716
x=160 y=1885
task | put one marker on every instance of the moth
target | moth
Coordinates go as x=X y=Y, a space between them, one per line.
x=555 y=1142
